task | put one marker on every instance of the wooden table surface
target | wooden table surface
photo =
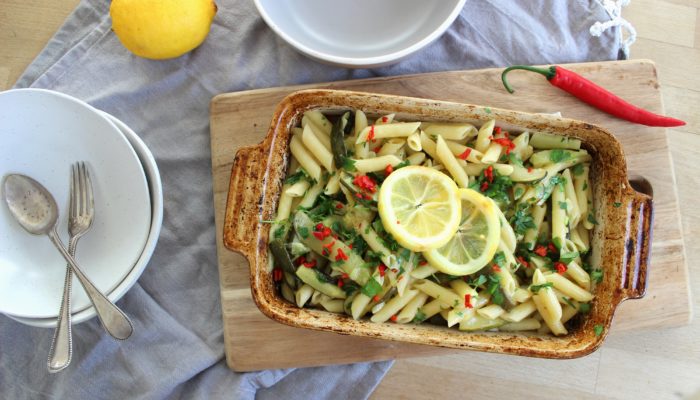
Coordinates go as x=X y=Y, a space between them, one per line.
x=650 y=364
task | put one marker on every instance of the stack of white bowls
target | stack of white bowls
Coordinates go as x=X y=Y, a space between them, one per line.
x=42 y=133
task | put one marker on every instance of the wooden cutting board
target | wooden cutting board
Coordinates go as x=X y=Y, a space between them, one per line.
x=254 y=342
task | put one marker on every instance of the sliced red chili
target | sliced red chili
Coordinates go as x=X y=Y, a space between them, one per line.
x=465 y=153
x=560 y=267
x=540 y=250
x=468 y=301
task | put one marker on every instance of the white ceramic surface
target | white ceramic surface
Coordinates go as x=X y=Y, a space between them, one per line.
x=42 y=133
x=156 y=189
x=359 y=33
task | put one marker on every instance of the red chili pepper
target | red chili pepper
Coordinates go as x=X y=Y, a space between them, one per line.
x=376 y=298
x=277 y=274
x=541 y=250
x=385 y=119
x=382 y=269
x=377 y=149
x=496 y=131
x=488 y=174
x=484 y=186
x=522 y=262
x=301 y=260
x=345 y=276
x=398 y=222
x=505 y=142
x=339 y=206
x=389 y=169
x=341 y=255
x=552 y=248
x=496 y=268
x=468 y=301
x=340 y=283
x=370 y=135
x=393 y=318
x=365 y=182
x=309 y=264
x=422 y=262
x=596 y=96
x=529 y=169
x=465 y=153
x=560 y=267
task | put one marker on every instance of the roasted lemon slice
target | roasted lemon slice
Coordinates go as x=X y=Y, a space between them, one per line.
x=420 y=207
x=476 y=240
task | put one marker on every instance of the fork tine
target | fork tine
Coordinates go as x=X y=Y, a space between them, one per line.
x=83 y=190
x=90 y=200
x=73 y=188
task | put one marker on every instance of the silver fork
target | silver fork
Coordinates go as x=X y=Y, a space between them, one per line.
x=80 y=216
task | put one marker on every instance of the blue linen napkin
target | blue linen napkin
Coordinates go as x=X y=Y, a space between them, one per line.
x=177 y=349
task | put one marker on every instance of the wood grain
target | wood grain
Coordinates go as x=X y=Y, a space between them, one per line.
x=241 y=119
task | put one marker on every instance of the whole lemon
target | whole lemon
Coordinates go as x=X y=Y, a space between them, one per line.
x=160 y=29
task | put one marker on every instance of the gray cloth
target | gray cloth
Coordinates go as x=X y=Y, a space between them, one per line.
x=177 y=349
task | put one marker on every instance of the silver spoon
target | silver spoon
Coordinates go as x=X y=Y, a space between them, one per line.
x=36 y=211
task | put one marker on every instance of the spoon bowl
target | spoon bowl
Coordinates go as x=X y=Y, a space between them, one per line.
x=30 y=203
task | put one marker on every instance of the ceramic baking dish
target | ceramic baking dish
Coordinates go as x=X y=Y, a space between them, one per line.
x=620 y=244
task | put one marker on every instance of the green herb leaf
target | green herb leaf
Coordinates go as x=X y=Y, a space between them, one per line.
x=598 y=329
x=597 y=275
x=487 y=110
x=522 y=220
x=500 y=259
x=349 y=164
x=304 y=232
x=419 y=317
x=617 y=204
x=585 y=308
x=478 y=281
x=402 y=164
x=568 y=301
x=536 y=288
x=350 y=287
x=300 y=175
x=324 y=208
x=563 y=205
x=567 y=257
x=515 y=159
x=577 y=169
x=591 y=219
x=371 y=288
x=558 y=155
x=585 y=185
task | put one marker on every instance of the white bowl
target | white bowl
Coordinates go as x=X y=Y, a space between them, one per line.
x=359 y=33
x=156 y=190
x=42 y=133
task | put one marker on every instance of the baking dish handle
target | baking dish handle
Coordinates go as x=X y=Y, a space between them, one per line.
x=637 y=252
x=242 y=219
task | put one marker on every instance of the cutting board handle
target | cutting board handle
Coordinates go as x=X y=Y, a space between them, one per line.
x=637 y=252
x=242 y=219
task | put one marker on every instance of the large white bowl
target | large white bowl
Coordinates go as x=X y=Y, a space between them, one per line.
x=156 y=189
x=359 y=33
x=42 y=133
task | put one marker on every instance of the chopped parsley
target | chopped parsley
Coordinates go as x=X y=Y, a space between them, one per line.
x=402 y=164
x=371 y=288
x=522 y=220
x=303 y=232
x=419 y=317
x=559 y=155
x=478 y=281
x=567 y=257
x=487 y=110
x=349 y=164
x=577 y=169
x=298 y=176
x=536 y=288
x=598 y=329
x=597 y=275
x=500 y=259
x=591 y=219
x=325 y=208
x=494 y=289
x=568 y=301
x=564 y=205
x=617 y=204
x=585 y=308
x=350 y=287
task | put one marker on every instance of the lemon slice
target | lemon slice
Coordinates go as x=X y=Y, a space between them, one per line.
x=476 y=240
x=420 y=207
